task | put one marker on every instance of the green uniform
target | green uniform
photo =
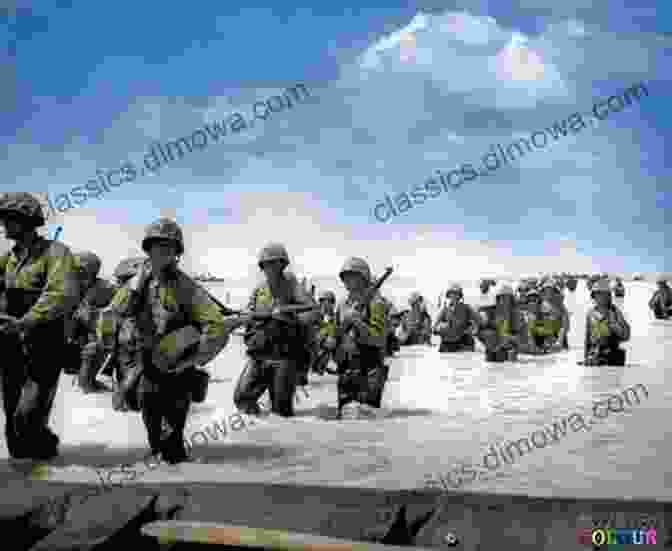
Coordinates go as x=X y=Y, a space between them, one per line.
x=277 y=351
x=82 y=331
x=41 y=288
x=456 y=325
x=362 y=374
x=416 y=327
x=161 y=306
x=605 y=330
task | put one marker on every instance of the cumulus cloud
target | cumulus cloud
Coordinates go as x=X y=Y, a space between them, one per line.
x=436 y=92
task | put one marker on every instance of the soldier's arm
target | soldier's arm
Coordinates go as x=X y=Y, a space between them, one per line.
x=61 y=292
x=587 y=340
x=215 y=330
x=620 y=326
x=654 y=300
x=301 y=296
x=3 y=269
x=440 y=319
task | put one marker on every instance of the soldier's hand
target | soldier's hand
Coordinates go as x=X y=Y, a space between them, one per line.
x=90 y=350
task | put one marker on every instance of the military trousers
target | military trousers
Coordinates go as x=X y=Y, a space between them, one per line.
x=362 y=379
x=466 y=343
x=30 y=372
x=278 y=376
x=164 y=399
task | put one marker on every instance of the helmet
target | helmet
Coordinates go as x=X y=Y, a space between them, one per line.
x=356 y=265
x=127 y=268
x=504 y=290
x=273 y=251
x=601 y=286
x=549 y=285
x=532 y=293
x=660 y=280
x=327 y=295
x=89 y=263
x=23 y=204
x=414 y=298
x=455 y=289
x=163 y=228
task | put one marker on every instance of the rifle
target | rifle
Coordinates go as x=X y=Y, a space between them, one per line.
x=399 y=315
x=346 y=331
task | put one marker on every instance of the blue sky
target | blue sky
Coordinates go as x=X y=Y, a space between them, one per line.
x=398 y=93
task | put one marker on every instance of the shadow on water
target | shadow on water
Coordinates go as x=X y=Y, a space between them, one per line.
x=330 y=413
x=241 y=452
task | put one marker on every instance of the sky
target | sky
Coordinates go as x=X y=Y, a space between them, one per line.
x=395 y=95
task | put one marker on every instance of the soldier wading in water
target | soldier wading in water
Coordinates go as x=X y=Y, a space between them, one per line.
x=40 y=286
x=361 y=371
x=168 y=310
x=97 y=294
x=276 y=348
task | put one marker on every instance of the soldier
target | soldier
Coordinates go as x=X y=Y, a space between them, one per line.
x=619 y=288
x=326 y=333
x=457 y=323
x=416 y=325
x=606 y=328
x=162 y=302
x=484 y=286
x=661 y=301
x=500 y=327
x=555 y=312
x=40 y=285
x=97 y=294
x=276 y=350
x=360 y=353
x=541 y=327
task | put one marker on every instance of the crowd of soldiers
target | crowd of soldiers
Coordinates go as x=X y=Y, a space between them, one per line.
x=153 y=329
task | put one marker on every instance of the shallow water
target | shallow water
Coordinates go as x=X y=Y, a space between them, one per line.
x=443 y=409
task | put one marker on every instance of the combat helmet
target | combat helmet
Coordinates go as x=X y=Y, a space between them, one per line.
x=23 y=204
x=163 y=228
x=504 y=290
x=89 y=263
x=601 y=286
x=414 y=298
x=327 y=295
x=455 y=289
x=356 y=265
x=273 y=251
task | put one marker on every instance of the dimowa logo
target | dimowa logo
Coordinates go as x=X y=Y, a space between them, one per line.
x=500 y=156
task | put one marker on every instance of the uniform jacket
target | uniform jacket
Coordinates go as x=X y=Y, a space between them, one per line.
x=165 y=306
x=374 y=319
x=605 y=329
x=275 y=334
x=42 y=286
x=663 y=297
x=452 y=323
x=417 y=322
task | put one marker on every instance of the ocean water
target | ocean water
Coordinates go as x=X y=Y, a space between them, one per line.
x=443 y=409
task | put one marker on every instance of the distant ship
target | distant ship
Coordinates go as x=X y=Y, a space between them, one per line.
x=207 y=277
